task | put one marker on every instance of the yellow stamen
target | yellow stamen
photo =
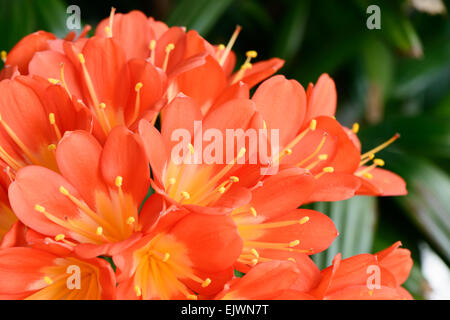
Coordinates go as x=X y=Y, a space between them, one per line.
x=253 y=211
x=169 y=48
x=379 y=162
x=230 y=44
x=131 y=220
x=52 y=120
x=185 y=195
x=53 y=81
x=3 y=55
x=381 y=146
x=48 y=280
x=304 y=220
x=118 y=182
x=51 y=147
x=355 y=127
x=59 y=237
x=138 y=291
x=206 y=283
x=99 y=231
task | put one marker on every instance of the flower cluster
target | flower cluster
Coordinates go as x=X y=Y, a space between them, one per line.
x=87 y=128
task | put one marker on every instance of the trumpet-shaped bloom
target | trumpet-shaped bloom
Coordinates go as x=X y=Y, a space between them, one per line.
x=349 y=278
x=183 y=255
x=206 y=187
x=33 y=117
x=94 y=202
x=273 y=229
x=34 y=274
x=311 y=138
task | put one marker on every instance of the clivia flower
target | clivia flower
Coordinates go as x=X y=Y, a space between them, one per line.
x=54 y=274
x=183 y=255
x=311 y=138
x=34 y=115
x=93 y=204
x=347 y=279
x=203 y=187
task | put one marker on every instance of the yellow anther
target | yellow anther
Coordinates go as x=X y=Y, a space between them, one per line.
x=118 y=182
x=108 y=31
x=152 y=44
x=255 y=253
x=241 y=152
x=246 y=66
x=371 y=156
x=370 y=292
x=63 y=191
x=138 y=86
x=253 y=211
x=51 y=118
x=185 y=195
x=191 y=148
x=102 y=106
x=3 y=55
x=328 y=169
x=222 y=190
x=323 y=156
x=264 y=124
x=39 y=208
x=379 y=162
x=254 y=262
x=172 y=181
x=53 y=81
x=288 y=151
x=221 y=47
x=166 y=257
x=192 y=297
x=48 y=280
x=367 y=175
x=313 y=124
x=131 y=220
x=292 y=259
x=138 y=291
x=355 y=127
x=294 y=243
x=234 y=179
x=99 y=231
x=251 y=54
x=170 y=47
x=81 y=58
x=51 y=147
x=59 y=237
x=304 y=220
x=206 y=283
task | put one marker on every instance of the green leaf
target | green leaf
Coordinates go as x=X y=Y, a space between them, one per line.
x=291 y=31
x=200 y=15
x=238 y=274
x=428 y=199
x=424 y=135
x=355 y=220
x=52 y=16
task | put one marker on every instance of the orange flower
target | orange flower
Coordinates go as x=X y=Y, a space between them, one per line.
x=33 y=117
x=212 y=188
x=273 y=229
x=312 y=139
x=348 y=278
x=34 y=274
x=271 y=281
x=183 y=255
x=345 y=280
x=95 y=199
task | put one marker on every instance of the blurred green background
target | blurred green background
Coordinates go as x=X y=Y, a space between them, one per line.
x=395 y=79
